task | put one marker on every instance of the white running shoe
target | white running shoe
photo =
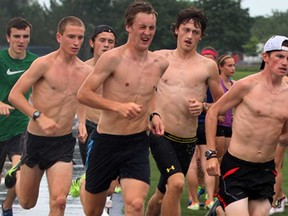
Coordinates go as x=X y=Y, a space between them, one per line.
x=272 y=211
x=104 y=213
x=280 y=205
x=108 y=203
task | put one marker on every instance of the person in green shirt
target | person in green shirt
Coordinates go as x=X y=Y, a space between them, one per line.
x=14 y=61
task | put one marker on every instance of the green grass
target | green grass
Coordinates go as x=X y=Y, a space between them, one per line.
x=184 y=200
x=241 y=74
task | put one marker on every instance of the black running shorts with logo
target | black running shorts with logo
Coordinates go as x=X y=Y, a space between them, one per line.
x=110 y=156
x=172 y=155
x=10 y=147
x=241 y=179
x=46 y=151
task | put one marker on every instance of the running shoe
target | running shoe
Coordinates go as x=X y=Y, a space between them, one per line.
x=208 y=204
x=281 y=202
x=194 y=206
x=212 y=211
x=117 y=189
x=76 y=186
x=285 y=200
x=280 y=206
x=200 y=191
x=10 y=178
x=109 y=202
x=272 y=210
x=7 y=212
x=105 y=213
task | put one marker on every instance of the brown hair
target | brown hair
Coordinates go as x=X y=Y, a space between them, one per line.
x=18 y=23
x=72 y=20
x=187 y=14
x=136 y=7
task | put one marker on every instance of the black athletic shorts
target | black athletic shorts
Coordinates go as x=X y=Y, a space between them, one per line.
x=90 y=127
x=110 y=156
x=201 y=134
x=46 y=151
x=241 y=179
x=223 y=131
x=10 y=147
x=172 y=155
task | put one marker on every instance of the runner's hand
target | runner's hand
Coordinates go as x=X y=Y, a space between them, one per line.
x=156 y=125
x=5 y=109
x=130 y=110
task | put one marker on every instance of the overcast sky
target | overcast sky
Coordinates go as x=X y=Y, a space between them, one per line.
x=264 y=7
x=256 y=7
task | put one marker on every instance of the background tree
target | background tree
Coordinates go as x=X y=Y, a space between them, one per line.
x=230 y=28
x=228 y=24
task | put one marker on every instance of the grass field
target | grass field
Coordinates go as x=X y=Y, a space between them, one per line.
x=184 y=200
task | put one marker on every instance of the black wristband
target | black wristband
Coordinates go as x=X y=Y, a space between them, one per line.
x=152 y=114
x=211 y=156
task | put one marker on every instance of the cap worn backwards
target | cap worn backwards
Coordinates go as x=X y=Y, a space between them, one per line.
x=103 y=28
x=275 y=43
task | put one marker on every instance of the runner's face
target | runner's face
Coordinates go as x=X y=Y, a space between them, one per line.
x=228 y=68
x=142 y=30
x=103 y=42
x=189 y=35
x=18 y=40
x=210 y=56
x=72 y=39
x=277 y=62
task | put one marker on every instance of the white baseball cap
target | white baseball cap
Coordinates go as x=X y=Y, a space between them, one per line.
x=275 y=43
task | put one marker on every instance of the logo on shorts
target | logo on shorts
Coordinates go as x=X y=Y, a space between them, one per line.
x=9 y=72
x=169 y=169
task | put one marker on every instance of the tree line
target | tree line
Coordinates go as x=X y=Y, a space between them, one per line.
x=230 y=28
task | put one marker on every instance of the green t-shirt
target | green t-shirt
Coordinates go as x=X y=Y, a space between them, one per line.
x=10 y=71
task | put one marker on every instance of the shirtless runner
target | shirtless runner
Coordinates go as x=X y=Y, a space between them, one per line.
x=55 y=79
x=129 y=75
x=260 y=121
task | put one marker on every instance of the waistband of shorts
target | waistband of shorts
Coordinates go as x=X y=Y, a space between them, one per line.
x=52 y=138
x=90 y=123
x=180 y=139
x=248 y=163
x=121 y=136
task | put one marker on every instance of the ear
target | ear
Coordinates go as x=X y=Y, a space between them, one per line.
x=58 y=37
x=91 y=43
x=8 y=38
x=265 y=57
x=128 y=28
x=176 y=31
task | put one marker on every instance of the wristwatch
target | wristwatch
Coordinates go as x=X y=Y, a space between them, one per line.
x=210 y=154
x=205 y=107
x=36 y=115
x=153 y=114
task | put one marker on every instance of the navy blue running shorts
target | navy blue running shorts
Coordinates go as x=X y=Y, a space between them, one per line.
x=111 y=156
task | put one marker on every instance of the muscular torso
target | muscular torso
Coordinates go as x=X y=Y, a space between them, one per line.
x=258 y=122
x=131 y=81
x=183 y=80
x=55 y=93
